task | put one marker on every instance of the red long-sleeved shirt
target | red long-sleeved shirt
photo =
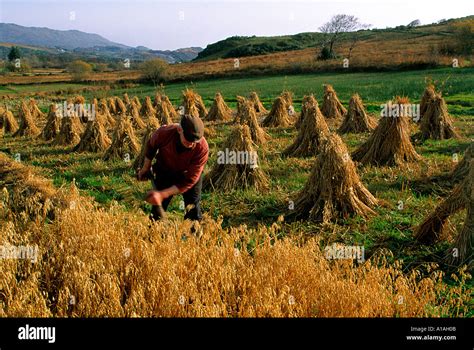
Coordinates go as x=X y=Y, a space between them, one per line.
x=186 y=167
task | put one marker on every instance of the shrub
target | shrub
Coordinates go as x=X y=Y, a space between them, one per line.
x=154 y=70
x=79 y=70
x=326 y=54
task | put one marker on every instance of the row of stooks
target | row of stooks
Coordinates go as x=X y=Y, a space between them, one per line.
x=334 y=189
x=435 y=122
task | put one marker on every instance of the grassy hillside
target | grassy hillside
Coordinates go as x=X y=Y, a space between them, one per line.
x=240 y=46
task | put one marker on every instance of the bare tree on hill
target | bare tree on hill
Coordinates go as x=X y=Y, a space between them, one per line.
x=333 y=29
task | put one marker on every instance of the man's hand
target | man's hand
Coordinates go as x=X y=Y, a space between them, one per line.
x=154 y=197
x=157 y=197
x=143 y=174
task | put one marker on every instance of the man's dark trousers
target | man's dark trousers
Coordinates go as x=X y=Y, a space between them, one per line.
x=192 y=197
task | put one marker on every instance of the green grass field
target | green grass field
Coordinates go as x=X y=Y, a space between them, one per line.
x=419 y=187
x=374 y=88
x=457 y=85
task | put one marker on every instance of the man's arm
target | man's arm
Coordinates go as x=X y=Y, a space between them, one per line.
x=153 y=145
x=157 y=197
x=144 y=170
x=192 y=176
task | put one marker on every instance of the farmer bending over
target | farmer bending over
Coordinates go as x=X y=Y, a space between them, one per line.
x=181 y=152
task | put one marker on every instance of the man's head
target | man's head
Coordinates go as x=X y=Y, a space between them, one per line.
x=191 y=130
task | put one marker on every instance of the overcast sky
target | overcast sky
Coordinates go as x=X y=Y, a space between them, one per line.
x=164 y=24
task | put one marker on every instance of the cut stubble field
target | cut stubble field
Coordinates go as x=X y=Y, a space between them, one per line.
x=407 y=194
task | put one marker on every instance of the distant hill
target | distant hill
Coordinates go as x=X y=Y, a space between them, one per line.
x=242 y=46
x=139 y=53
x=52 y=38
x=74 y=44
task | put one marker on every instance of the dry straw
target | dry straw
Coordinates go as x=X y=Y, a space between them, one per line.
x=79 y=108
x=151 y=271
x=70 y=132
x=332 y=108
x=462 y=168
x=166 y=103
x=79 y=100
x=103 y=110
x=428 y=94
x=356 y=119
x=436 y=122
x=389 y=143
x=25 y=191
x=248 y=117
x=210 y=132
x=313 y=132
x=432 y=227
x=227 y=177
x=124 y=142
x=10 y=124
x=35 y=111
x=257 y=105
x=201 y=107
x=308 y=101
x=126 y=99
x=278 y=116
x=27 y=124
x=147 y=110
x=137 y=102
x=121 y=108
x=191 y=98
x=158 y=99
x=288 y=98
x=154 y=122
x=334 y=189
x=112 y=105
x=241 y=101
x=95 y=138
x=165 y=112
x=134 y=114
x=190 y=103
x=219 y=110
x=53 y=123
